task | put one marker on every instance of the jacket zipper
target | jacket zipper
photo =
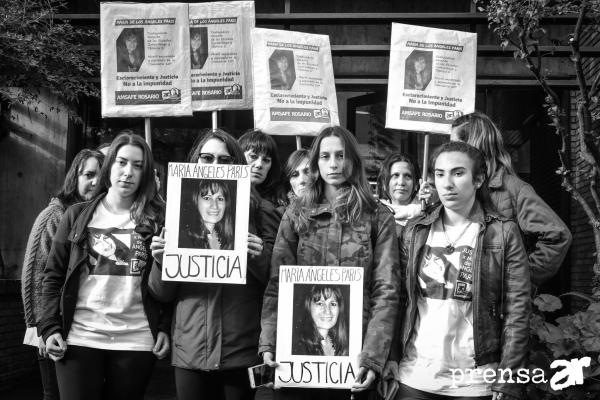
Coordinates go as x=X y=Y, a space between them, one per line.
x=409 y=285
x=476 y=272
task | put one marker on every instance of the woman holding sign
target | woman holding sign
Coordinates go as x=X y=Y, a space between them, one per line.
x=549 y=236
x=216 y=326
x=338 y=222
x=467 y=287
x=99 y=323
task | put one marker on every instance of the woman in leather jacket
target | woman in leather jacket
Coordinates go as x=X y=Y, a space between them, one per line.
x=466 y=293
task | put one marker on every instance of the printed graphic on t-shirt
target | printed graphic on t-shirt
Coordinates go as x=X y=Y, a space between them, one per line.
x=115 y=251
x=443 y=276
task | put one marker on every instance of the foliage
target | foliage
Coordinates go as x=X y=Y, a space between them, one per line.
x=518 y=23
x=38 y=52
x=572 y=336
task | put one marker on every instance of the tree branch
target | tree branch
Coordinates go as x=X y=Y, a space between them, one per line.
x=576 y=54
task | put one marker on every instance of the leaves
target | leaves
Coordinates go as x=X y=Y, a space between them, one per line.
x=547 y=303
x=39 y=52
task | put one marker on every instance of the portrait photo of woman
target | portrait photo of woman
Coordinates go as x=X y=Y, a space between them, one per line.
x=208 y=214
x=130 y=50
x=417 y=73
x=320 y=320
x=198 y=47
x=282 y=70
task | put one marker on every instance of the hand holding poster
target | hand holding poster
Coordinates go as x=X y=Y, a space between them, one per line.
x=206 y=223
x=220 y=55
x=294 y=89
x=431 y=79
x=145 y=66
x=319 y=326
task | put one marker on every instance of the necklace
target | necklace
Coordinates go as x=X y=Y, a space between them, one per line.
x=450 y=247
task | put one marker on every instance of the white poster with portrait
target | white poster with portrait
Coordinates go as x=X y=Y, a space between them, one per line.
x=319 y=326
x=145 y=60
x=432 y=78
x=206 y=228
x=220 y=56
x=294 y=88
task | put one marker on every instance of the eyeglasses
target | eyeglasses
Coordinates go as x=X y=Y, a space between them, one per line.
x=208 y=158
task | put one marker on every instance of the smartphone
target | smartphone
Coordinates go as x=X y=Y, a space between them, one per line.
x=260 y=375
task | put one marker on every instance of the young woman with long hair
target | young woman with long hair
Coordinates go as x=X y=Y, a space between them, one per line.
x=79 y=185
x=210 y=218
x=98 y=321
x=322 y=326
x=547 y=236
x=216 y=326
x=337 y=221
x=466 y=290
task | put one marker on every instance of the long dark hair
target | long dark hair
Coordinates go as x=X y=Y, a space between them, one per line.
x=478 y=130
x=354 y=199
x=383 y=179
x=224 y=228
x=310 y=339
x=68 y=193
x=479 y=167
x=261 y=143
x=148 y=209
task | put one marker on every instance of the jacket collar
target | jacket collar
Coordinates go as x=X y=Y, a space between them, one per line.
x=85 y=215
x=319 y=209
x=478 y=214
x=495 y=181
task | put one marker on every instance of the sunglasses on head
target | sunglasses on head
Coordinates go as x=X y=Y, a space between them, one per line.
x=208 y=158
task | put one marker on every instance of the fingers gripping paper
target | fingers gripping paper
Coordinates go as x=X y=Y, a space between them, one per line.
x=294 y=88
x=431 y=79
x=220 y=55
x=145 y=61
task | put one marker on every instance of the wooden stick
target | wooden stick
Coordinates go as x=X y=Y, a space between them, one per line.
x=298 y=142
x=148 y=131
x=215 y=115
x=424 y=176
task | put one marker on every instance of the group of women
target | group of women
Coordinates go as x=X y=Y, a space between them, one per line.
x=445 y=287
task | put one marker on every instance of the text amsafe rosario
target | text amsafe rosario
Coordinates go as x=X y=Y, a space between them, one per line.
x=202 y=266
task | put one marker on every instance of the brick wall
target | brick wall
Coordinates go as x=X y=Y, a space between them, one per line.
x=583 y=247
x=17 y=361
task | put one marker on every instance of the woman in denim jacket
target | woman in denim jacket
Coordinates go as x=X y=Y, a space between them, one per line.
x=466 y=292
x=546 y=236
x=336 y=221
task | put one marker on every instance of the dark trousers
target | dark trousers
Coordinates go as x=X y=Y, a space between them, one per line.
x=95 y=374
x=409 y=393
x=218 y=385
x=48 y=375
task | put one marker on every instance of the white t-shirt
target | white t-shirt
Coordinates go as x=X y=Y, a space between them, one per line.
x=442 y=338
x=109 y=313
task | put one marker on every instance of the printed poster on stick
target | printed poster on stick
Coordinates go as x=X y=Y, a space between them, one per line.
x=294 y=88
x=431 y=78
x=145 y=61
x=206 y=228
x=319 y=326
x=220 y=56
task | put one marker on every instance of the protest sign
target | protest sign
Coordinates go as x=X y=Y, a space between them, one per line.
x=431 y=79
x=319 y=326
x=145 y=61
x=221 y=65
x=206 y=228
x=294 y=89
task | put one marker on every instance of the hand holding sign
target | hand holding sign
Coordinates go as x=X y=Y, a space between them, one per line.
x=158 y=246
